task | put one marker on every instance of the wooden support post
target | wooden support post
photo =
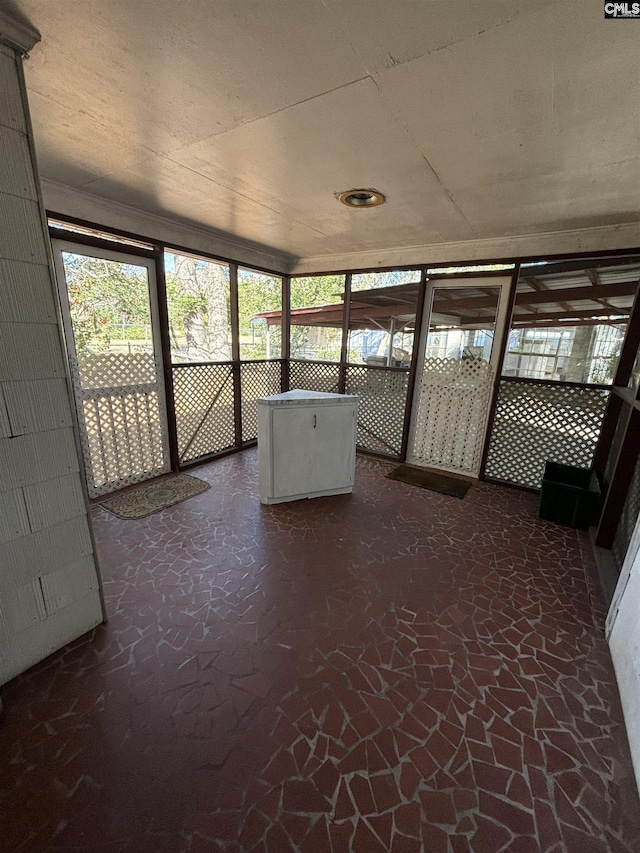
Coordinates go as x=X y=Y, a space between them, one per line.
x=285 y=333
x=630 y=345
x=621 y=379
x=620 y=482
x=417 y=334
x=235 y=352
x=605 y=439
x=165 y=344
x=344 y=349
x=392 y=332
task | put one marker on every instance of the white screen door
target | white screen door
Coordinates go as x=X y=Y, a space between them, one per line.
x=457 y=363
x=109 y=306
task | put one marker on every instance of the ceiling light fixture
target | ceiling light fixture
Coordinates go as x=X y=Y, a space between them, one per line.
x=362 y=198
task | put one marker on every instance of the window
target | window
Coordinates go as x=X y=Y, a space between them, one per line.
x=382 y=318
x=198 y=308
x=316 y=317
x=260 y=315
x=570 y=319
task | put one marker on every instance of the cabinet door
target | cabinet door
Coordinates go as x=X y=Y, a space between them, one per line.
x=312 y=449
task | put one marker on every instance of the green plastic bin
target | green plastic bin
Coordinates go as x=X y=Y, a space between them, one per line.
x=569 y=495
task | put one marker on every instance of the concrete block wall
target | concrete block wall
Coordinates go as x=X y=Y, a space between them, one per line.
x=49 y=590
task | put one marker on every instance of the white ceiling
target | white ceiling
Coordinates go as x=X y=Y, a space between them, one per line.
x=478 y=118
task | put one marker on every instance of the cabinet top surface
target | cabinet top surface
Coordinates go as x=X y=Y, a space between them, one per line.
x=301 y=396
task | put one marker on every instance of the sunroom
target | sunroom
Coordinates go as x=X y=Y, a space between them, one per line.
x=392 y=669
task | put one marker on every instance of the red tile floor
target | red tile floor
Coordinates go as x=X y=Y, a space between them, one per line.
x=393 y=670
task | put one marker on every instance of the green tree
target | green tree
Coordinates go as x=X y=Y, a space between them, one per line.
x=311 y=291
x=103 y=293
x=198 y=307
x=258 y=293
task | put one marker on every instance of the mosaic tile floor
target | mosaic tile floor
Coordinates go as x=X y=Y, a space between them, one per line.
x=393 y=670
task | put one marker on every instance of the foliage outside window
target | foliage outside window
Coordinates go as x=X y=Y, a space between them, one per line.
x=390 y=278
x=316 y=336
x=474 y=268
x=109 y=305
x=198 y=308
x=258 y=293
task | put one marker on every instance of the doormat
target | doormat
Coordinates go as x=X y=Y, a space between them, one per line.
x=451 y=486
x=152 y=497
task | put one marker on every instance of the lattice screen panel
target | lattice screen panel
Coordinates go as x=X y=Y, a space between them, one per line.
x=383 y=397
x=452 y=400
x=205 y=418
x=122 y=419
x=257 y=379
x=314 y=376
x=628 y=518
x=109 y=369
x=535 y=422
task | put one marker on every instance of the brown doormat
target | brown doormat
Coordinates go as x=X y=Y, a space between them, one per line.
x=152 y=497
x=451 y=486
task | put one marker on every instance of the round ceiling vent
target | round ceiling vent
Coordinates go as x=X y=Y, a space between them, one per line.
x=362 y=198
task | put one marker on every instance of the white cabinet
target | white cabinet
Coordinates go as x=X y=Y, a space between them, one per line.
x=306 y=445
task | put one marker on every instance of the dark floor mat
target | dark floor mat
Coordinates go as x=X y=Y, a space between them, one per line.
x=451 y=486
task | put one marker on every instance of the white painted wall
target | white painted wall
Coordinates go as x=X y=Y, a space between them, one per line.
x=623 y=632
x=49 y=590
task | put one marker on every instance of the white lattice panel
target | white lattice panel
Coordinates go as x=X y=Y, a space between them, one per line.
x=536 y=422
x=383 y=398
x=122 y=419
x=450 y=414
x=124 y=440
x=110 y=369
x=314 y=376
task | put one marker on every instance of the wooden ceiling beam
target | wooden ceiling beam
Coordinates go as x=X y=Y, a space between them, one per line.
x=570 y=324
x=540 y=286
x=571 y=294
x=535 y=284
x=545 y=297
x=578 y=266
x=580 y=314
x=594 y=278
x=332 y=315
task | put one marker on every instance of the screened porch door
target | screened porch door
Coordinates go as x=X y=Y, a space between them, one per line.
x=109 y=307
x=457 y=364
